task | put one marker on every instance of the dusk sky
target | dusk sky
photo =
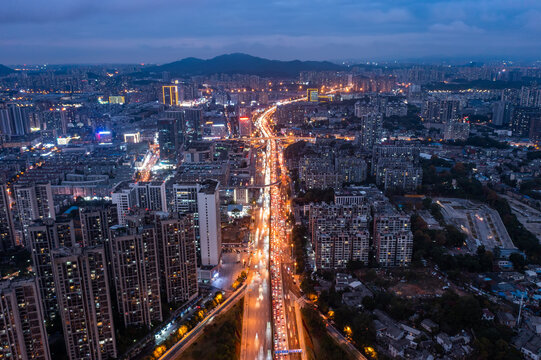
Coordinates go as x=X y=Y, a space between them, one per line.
x=159 y=31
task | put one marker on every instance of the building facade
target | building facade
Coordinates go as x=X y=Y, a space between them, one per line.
x=210 y=228
x=22 y=320
x=82 y=286
x=135 y=270
x=7 y=228
x=340 y=234
x=392 y=238
x=44 y=237
x=178 y=259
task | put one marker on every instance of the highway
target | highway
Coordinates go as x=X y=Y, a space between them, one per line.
x=287 y=329
x=256 y=340
x=285 y=342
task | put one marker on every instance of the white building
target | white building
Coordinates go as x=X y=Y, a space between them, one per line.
x=210 y=232
x=124 y=199
x=185 y=197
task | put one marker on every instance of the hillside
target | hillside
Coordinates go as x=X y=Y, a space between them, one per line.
x=243 y=64
x=4 y=70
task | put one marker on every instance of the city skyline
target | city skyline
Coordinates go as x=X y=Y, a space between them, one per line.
x=273 y=180
x=140 y=32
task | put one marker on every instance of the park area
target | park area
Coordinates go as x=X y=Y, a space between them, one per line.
x=221 y=339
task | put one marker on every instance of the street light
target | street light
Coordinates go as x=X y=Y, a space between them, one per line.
x=348 y=332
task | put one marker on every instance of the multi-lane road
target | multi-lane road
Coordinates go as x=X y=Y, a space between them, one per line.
x=286 y=333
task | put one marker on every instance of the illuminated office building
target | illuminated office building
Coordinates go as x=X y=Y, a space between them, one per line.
x=170 y=95
x=168 y=139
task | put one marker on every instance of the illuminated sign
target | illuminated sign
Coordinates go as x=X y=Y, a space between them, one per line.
x=104 y=137
x=63 y=141
x=132 y=138
x=119 y=100
x=170 y=95
x=312 y=94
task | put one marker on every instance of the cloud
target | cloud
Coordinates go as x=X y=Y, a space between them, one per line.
x=381 y=16
x=39 y=11
x=164 y=30
x=531 y=20
x=455 y=27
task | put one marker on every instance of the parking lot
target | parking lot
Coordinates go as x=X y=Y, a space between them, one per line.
x=482 y=224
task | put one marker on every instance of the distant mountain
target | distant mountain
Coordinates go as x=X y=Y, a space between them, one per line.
x=4 y=70
x=243 y=64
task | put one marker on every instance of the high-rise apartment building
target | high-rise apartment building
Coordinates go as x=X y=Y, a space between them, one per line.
x=34 y=201
x=317 y=172
x=339 y=234
x=392 y=237
x=396 y=176
x=144 y=195
x=179 y=116
x=530 y=96
x=95 y=224
x=351 y=169
x=185 y=197
x=439 y=111
x=526 y=122
x=168 y=139
x=210 y=228
x=123 y=197
x=22 y=326
x=501 y=113
x=396 y=167
x=7 y=229
x=45 y=236
x=245 y=125
x=177 y=257
x=150 y=195
x=193 y=118
x=135 y=270
x=15 y=120
x=371 y=130
x=395 y=153
x=82 y=287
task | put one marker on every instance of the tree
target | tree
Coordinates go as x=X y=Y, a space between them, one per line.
x=518 y=261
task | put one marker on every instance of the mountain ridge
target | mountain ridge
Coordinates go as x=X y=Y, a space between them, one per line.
x=238 y=63
x=4 y=70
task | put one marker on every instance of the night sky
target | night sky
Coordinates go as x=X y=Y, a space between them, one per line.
x=158 y=31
